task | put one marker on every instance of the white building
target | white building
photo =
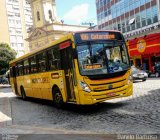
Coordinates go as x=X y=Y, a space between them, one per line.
x=19 y=19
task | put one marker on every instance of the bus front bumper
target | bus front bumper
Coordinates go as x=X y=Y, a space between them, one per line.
x=96 y=97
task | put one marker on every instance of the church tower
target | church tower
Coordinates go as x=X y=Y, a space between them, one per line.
x=43 y=11
x=46 y=28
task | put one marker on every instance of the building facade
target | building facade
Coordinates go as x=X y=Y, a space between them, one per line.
x=46 y=28
x=139 y=21
x=15 y=20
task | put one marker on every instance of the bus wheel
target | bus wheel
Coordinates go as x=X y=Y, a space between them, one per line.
x=143 y=80
x=23 y=94
x=57 y=98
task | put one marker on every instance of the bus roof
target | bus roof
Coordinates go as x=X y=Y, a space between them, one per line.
x=65 y=37
x=96 y=31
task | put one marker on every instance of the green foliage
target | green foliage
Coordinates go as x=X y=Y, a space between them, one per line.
x=6 y=55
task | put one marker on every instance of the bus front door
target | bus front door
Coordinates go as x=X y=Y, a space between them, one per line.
x=14 y=82
x=67 y=66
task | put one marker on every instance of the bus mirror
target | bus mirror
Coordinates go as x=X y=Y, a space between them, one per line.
x=74 y=54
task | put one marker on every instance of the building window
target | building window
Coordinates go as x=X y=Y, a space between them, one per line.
x=138 y=23
x=50 y=14
x=123 y=27
x=149 y=16
x=38 y=16
x=133 y=26
x=143 y=18
x=143 y=23
x=155 y=14
x=119 y=26
x=128 y=28
x=155 y=18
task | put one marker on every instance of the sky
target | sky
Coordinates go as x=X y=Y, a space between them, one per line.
x=76 y=12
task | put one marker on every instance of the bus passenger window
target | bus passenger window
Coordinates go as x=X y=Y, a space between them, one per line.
x=54 y=59
x=20 y=69
x=11 y=71
x=16 y=69
x=41 y=59
x=26 y=67
x=33 y=65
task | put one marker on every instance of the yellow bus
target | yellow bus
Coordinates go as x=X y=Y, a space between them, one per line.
x=83 y=68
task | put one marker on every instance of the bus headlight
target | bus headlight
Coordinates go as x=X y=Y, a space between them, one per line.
x=130 y=79
x=84 y=86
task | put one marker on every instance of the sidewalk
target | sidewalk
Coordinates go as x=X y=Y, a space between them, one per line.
x=8 y=127
x=5 y=108
x=4 y=85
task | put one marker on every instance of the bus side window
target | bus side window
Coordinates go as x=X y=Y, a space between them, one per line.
x=26 y=66
x=19 y=69
x=13 y=71
x=54 y=59
x=41 y=61
x=33 y=65
x=16 y=70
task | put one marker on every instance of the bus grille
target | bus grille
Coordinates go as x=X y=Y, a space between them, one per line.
x=108 y=85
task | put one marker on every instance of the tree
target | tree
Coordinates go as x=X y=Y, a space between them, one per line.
x=6 y=55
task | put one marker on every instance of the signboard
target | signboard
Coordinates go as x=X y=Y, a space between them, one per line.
x=64 y=44
x=92 y=66
x=145 y=45
x=141 y=45
x=97 y=36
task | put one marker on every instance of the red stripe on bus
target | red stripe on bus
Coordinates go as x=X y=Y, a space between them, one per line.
x=64 y=45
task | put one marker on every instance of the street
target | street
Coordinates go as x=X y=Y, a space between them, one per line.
x=138 y=114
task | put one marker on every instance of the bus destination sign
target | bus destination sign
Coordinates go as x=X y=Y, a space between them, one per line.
x=96 y=36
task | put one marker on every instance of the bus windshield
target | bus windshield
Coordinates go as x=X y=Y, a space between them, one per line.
x=102 y=58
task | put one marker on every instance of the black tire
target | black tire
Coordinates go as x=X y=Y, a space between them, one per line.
x=157 y=74
x=143 y=80
x=23 y=94
x=57 y=98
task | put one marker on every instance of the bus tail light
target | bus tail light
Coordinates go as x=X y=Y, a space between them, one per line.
x=84 y=86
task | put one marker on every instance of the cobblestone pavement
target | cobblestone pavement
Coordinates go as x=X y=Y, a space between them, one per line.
x=138 y=114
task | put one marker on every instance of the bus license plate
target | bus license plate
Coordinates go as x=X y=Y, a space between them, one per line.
x=111 y=94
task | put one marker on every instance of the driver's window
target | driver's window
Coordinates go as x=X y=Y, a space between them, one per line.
x=84 y=55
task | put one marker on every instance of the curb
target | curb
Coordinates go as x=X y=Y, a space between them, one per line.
x=26 y=129
x=5 y=112
x=5 y=86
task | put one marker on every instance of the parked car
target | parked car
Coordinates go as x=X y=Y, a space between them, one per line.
x=138 y=74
